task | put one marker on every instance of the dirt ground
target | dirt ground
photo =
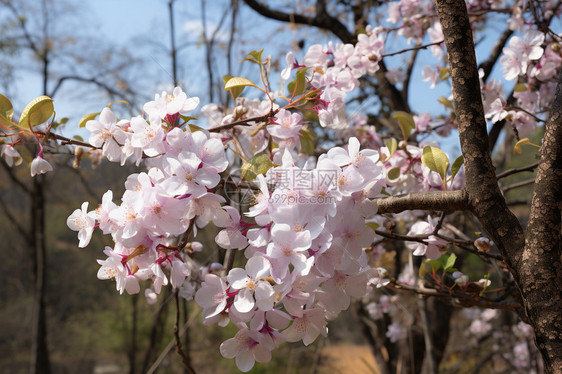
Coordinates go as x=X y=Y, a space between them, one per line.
x=347 y=359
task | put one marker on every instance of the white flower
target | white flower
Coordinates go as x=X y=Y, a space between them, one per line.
x=40 y=166
x=80 y=221
x=11 y=155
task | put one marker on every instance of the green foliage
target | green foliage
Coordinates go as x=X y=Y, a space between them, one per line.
x=308 y=141
x=456 y=166
x=86 y=118
x=445 y=262
x=406 y=122
x=436 y=160
x=296 y=87
x=392 y=145
x=236 y=84
x=38 y=111
x=259 y=164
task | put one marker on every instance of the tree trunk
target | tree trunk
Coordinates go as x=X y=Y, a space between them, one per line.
x=39 y=351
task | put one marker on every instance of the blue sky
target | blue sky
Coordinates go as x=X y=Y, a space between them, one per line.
x=142 y=26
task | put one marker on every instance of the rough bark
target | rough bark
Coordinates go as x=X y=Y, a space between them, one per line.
x=540 y=271
x=484 y=195
x=535 y=261
x=446 y=201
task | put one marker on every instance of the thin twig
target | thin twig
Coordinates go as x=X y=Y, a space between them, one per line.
x=244 y=122
x=508 y=172
x=170 y=345
x=411 y=49
x=179 y=349
x=523 y=183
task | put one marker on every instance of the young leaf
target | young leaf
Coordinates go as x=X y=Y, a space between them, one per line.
x=6 y=108
x=450 y=262
x=520 y=87
x=259 y=164
x=436 y=160
x=392 y=145
x=254 y=56
x=372 y=225
x=406 y=122
x=525 y=141
x=308 y=141
x=117 y=101
x=300 y=82
x=193 y=127
x=393 y=173
x=86 y=118
x=444 y=74
x=456 y=166
x=446 y=102
x=234 y=82
x=38 y=111
x=234 y=91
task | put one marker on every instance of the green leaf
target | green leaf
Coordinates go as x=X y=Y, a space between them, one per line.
x=422 y=271
x=393 y=174
x=259 y=164
x=456 y=166
x=406 y=122
x=436 y=160
x=193 y=127
x=117 y=101
x=78 y=137
x=187 y=118
x=444 y=74
x=86 y=118
x=446 y=102
x=392 y=145
x=449 y=261
x=38 y=111
x=58 y=123
x=372 y=225
x=235 y=82
x=6 y=108
x=300 y=82
x=254 y=56
x=235 y=91
x=308 y=141
x=520 y=87
x=5 y=122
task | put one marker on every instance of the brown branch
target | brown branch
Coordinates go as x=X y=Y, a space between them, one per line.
x=523 y=183
x=321 y=19
x=185 y=359
x=455 y=298
x=508 y=172
x=495 y=53
x=244 y=122
x=416 y=48
x=540 y=274
x=446 y=201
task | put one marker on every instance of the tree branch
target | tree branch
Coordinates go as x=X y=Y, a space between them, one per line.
x=446 y=201
x=495 y=53
x=322 y=19
x=509 y=172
